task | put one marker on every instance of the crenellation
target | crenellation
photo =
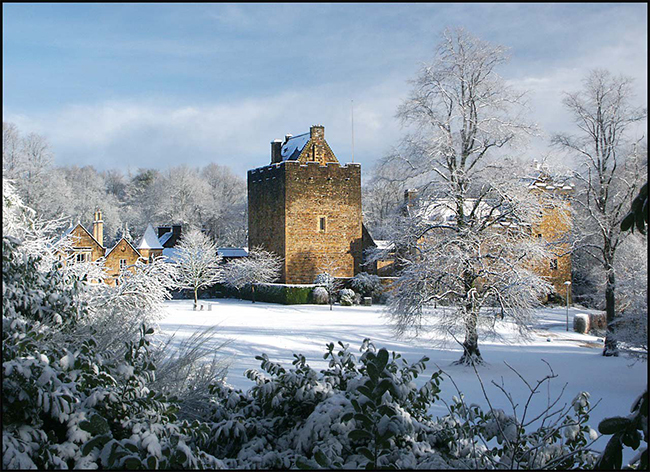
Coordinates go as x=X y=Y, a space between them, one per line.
x=284 y=216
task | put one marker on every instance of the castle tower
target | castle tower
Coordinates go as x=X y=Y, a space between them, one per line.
x=306 y=207
x=98 y=227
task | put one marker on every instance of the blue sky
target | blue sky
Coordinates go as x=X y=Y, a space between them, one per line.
x=153 y=85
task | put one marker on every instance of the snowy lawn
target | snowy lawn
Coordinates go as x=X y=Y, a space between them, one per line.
x=279 y=331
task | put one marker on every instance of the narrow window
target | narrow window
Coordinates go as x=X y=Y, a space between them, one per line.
x=321 y=224
x=122 y=264
x=553 y=264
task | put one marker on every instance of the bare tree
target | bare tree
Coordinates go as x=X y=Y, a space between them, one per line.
x=259 y=267
x=470 y=248
x=610 y=174
x=12 y=157
x=198 y=262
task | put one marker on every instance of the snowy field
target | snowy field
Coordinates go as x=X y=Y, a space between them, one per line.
x=279 y=331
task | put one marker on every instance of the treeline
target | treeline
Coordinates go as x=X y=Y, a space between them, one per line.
x=212 y=197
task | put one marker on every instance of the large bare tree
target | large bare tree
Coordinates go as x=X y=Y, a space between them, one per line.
x=610 y=174
x=469 y=247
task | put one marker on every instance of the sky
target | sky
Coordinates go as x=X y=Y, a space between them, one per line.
x=128 y=86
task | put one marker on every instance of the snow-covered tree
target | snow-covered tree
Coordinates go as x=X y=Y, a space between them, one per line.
x=197 y=262
x=611 y=173
x=326 y=279
x=259 y=267
x=468 y=245
x=224 y=210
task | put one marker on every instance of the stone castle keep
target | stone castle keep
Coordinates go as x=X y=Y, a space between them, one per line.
x=306 y=207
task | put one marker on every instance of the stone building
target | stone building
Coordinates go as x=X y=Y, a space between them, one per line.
x=554 y=226
x=306 y=207
x=86 y=247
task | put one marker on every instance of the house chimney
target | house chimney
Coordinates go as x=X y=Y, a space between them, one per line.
x=276 y=151
x=176 y=233
x=162 y=230
x=409 y=196
x=98 y=228
x=317 y=132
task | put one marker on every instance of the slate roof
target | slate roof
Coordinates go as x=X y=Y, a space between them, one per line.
x=149 y=240
x=291 y=150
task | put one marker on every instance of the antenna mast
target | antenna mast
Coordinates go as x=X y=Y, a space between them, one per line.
x=352 y=101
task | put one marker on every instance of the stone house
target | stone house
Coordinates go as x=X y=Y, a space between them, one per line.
x=306 y=207
x=554 y=226
x=87 y=247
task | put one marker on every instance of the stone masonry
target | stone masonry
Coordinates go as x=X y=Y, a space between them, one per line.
x=307 y=209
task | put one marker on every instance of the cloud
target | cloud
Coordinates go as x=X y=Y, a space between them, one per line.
x=121 y=134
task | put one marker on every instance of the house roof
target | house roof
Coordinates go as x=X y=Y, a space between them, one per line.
x=165 y=237
x=291 y=150
x=170 y=254
x=232 y=251
x=149 y=240
x=71 y=229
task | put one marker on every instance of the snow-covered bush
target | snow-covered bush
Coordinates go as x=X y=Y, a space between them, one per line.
x=355 y=414
x=347 y=297
x=581 y=323
x=320 y=296
x=68 y=399
x=367 y=285
x=329 y=283
x=64 y=404
x=259 y=267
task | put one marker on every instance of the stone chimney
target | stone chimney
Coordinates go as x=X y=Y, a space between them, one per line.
x=98 y=228
x=410 y=195
x=276 y=151
x=317 y=132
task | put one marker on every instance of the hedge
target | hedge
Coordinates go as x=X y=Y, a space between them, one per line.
x=274 y=293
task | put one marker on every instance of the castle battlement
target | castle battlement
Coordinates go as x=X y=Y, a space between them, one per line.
x=306 y=207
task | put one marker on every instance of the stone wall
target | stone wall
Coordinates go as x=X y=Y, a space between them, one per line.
x=266 y=210
x=332 y=194
x=123 y=250
x=286 y=203
x=81 y=240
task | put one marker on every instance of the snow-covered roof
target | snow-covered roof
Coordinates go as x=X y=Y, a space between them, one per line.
x=149 y=240
x=65 y=234
x=384 y=244
x=232 y=251
x=165 y=237
x=170 y=254
x=294 y=146
x=443 y=209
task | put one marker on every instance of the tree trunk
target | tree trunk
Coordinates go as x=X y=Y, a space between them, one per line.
x=611 y=347
x=196 y=298
x=253 y=292
x=471 y=353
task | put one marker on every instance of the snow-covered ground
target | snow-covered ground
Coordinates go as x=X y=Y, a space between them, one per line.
x=279 y=331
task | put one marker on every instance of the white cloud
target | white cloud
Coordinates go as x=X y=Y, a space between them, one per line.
x=121 y=134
